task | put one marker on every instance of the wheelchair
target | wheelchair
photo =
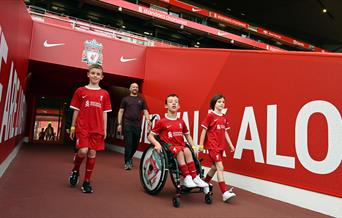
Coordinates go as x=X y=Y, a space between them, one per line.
x=154 y=169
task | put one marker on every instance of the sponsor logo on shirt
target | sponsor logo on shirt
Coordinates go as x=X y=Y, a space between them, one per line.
x=93 y=104
x=174 y=134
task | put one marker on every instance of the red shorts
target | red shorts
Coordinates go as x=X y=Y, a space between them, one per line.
x=215 y=155
x=176 y=149
x=93 y=141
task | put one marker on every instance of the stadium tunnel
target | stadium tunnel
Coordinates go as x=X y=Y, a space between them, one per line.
x=50 y=88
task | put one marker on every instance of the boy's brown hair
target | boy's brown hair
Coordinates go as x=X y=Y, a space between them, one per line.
x=214 y=100
x=170 y=95
x=96 y=66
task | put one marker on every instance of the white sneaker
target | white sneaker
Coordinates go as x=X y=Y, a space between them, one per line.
x=188 y=182
x=228 y=195
x=206 y=190
x=199 y=182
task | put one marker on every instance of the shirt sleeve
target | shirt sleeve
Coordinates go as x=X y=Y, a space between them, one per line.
x=107 y=107
x=206 y=122
x=123 y=103
x=158 y=127
x=144 y=105
x=76 y=100
x=185 y=128
x=227 y=124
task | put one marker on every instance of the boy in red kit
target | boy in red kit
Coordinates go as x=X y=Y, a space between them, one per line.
x=213 y=138
x=171 y=130
x=89 y=123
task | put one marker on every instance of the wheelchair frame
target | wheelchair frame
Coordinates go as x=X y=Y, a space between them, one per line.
x=155 y=166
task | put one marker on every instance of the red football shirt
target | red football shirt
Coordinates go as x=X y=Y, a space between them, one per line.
x=91 y=103
x=216 y=125
x=171 y=131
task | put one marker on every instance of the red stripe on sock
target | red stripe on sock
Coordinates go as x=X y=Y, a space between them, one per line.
x=89 y=168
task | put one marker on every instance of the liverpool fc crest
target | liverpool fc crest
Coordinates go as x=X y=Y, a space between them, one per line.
x=92 y=53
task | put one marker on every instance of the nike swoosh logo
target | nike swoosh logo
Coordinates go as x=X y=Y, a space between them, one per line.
x=48 y=45
x=221 y=33
x=195 y=9
x=123 y=60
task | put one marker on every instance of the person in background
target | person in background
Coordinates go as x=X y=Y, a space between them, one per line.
x=129 y=121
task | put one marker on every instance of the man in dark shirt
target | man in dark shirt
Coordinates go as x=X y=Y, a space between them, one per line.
x=131 y=109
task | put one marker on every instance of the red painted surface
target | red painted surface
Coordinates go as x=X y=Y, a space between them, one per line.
x=257 y=80
x=15 y=32
x=120 y=58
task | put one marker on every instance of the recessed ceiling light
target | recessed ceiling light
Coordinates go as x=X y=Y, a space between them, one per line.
x=228 y=9
x=324 y=10
x=243 y=14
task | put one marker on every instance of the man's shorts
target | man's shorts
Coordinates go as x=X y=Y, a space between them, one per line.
x=93 y=141
x=215 y=155
x=176 y=149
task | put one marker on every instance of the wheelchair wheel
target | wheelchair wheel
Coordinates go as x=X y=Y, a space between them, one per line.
x=152 y=170
x=176 y=200
x=208 y=198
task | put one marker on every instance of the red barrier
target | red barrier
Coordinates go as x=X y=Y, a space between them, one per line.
x=15 y=36
x=284 y=109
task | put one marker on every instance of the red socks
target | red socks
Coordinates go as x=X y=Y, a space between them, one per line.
x=89 y=168
x=184 y=169
x=223 y=187
x=207 y=179
x=192 y=169
x=77 y=162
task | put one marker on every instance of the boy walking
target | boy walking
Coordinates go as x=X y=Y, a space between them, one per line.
x=213 y=137
x=89 y=123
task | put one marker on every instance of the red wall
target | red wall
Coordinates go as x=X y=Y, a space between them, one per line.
x=15 y=33
x=284 y=108
x=70 y=47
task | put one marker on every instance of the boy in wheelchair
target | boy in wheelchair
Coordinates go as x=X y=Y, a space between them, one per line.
x=171 y=130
